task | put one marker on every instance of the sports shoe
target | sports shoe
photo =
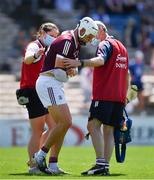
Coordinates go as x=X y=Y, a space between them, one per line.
x=107 y=172
x=55 y=171
x=96 y=170
x=40 y=162
x=34 y=171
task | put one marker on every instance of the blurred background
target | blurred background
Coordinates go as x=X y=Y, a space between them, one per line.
x=130 y=21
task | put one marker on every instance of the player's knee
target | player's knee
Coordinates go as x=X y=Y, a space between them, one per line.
x=107 y=129
x=37 y=133
x=89 y=127
x=66 y=124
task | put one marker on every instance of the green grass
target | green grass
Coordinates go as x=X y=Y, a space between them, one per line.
x=139 y=163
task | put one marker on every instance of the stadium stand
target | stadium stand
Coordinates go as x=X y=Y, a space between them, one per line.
x=149 y=93
x=8 y=31
x=10 y=109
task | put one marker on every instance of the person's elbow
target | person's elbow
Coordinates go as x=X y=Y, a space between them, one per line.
x=27 y=60
x=99 y=62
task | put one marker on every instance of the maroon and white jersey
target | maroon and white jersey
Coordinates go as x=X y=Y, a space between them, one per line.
x=65 y=45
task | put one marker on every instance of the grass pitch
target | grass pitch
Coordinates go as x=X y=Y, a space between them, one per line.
x=139 y=163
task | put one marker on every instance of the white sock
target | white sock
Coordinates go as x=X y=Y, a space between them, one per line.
x=100 y=161
x=41 y=153
x=53 y=165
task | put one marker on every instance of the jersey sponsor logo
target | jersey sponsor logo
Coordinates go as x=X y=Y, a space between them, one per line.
x=121 y=62
x=66 y=48
x=121 y=58
x=120 y=65
x=76 y=54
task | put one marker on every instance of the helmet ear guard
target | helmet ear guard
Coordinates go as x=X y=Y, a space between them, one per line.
x=87 y=26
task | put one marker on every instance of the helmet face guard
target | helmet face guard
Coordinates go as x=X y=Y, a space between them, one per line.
x=89 y=26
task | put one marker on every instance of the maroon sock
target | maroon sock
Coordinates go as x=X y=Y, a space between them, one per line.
x=44 y=149
x=53 y=160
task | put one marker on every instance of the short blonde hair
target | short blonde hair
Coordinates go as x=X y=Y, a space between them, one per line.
x=46 y=27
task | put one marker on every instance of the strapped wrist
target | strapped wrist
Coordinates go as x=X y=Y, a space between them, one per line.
x=35 y=57
x=82 y=63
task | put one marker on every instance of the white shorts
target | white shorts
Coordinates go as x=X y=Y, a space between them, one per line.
x=50 y=91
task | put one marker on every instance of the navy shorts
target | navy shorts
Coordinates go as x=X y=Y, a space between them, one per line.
x=35 y=107
x=108 y=112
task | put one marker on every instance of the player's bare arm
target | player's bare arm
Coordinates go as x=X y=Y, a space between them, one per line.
x=59 y=63
x=93 y=62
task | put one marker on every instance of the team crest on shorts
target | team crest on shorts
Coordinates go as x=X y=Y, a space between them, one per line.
x=96 y=103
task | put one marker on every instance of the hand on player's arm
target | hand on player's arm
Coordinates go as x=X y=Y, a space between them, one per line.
x=59 y=61
x=71 y=63
x=72 y=72
x=34 y=58
x=93 y=62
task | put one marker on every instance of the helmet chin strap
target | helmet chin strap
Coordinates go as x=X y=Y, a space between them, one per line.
x=82 y=43
x=79 y=39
